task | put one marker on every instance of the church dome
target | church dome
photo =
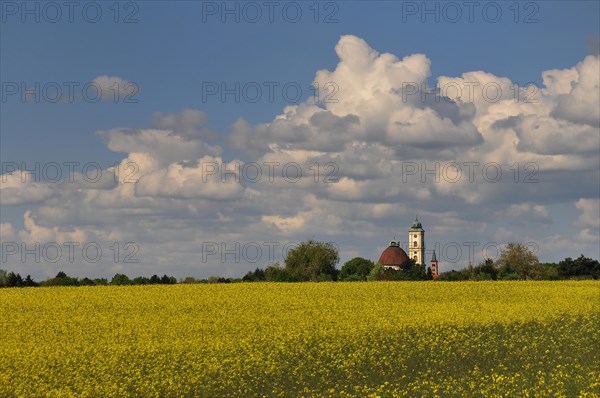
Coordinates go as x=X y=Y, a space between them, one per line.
x=393 y=255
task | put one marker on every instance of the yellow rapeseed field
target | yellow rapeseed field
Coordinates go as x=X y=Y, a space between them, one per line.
x=387 y=339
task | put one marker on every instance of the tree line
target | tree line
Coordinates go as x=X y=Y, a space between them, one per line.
x=317 y=261
x=517 y=262
x=10 y=279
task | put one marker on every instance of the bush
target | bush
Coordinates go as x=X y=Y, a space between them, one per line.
x=484 y=276
x=451 y=276
x=352 y=278
x=274 y=273
x=324 y=278
x=511 y=277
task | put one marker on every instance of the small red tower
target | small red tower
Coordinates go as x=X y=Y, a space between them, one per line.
x=434 y=266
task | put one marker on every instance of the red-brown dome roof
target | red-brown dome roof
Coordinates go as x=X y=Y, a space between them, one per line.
x=393 y=255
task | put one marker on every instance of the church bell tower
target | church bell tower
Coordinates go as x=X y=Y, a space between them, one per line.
x=416 y=242
x=434 y=266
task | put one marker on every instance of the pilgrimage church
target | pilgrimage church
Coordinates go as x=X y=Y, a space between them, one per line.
x=394 y=256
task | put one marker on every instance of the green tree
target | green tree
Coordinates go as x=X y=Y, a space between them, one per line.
x=517 y=259
x=218 y=279
x=254 y=276
x=3 y=275
x=61 y=279
x=452 y=276
x=391 y=274
x=29 y=282
x=581 y=266
x=86 y=282
x=483 y=271
x=356 y=269
x=488 y=267
x=140 y=280
x=551 y=271
x=312 y=259
x=168 y=280
x=14 y=280
x=275 y=273
x=376 y=272
x=409 y=271
x=412 y=271
x=120 y=279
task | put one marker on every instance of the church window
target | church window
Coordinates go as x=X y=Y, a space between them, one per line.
x=415 y=243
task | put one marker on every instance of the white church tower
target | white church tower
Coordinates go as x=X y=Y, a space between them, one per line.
x=416 y=242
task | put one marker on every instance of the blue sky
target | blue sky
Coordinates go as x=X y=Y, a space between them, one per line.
x=174 y=49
